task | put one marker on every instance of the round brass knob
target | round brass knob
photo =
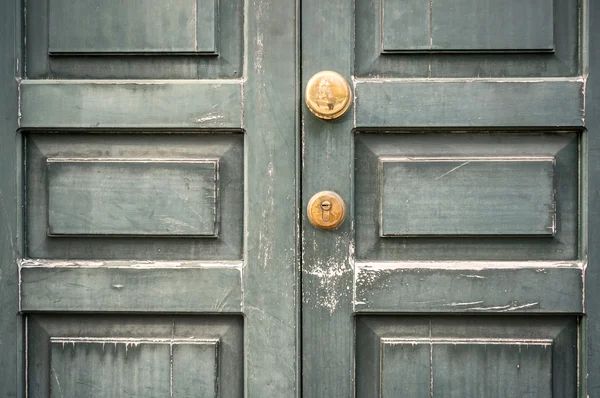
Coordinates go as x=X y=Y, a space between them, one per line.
x=326 y=210
x=328 y=95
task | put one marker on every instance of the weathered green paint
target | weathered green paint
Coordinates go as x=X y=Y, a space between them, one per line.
x=562 y=147
x=130 y=286
x=150 y=356
x=270 y=275
x=468 y=287
x=228 y=64
x=180 y=148
x=112 y=26
x=328 y=164
x=11 y=376
x=133 y=197
x=563 y=61
x=528 y=273
x=463 y=356
x=467 y=25
x=466 y=196
x=160 y=107
x=85 y=104
x=591 y=216
x=469 y=104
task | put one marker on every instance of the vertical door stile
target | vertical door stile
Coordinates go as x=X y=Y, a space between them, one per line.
x=328 y=153
x=11 y=378
x=590 y=379
x=270 y=274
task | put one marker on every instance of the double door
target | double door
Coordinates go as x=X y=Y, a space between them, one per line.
x=160 y=161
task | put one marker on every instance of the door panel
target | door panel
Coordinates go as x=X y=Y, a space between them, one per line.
x=466 y=356
x=191 y=39
x=109 y=356
x=491 y=199
x=466 y=38
x=460 y=165
x=155 y=174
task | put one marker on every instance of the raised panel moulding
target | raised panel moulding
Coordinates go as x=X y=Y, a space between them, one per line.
x=132 y=26
x=133 y=197
x=467 y=196
x=467 y=25
x=466 y=367
x=83 y=367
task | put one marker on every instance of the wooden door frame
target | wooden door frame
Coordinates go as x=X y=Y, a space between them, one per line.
x=11 y=323
x=590 y=233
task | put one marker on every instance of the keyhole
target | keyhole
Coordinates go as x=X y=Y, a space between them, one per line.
x=325 y=208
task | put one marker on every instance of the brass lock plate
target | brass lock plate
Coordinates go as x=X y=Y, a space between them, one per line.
x=326 y=210
x=328 y=95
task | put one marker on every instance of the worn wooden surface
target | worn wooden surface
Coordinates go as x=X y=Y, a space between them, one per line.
x=149 y=356
x=464 y=104
x=11 y=375
x=127 y=33
x=146 y=104
x=468 y=287
x=328 y=153
x=467 y=25
x=130 y=286
x=112 y=26
x=120 y=147
x=133 y=197
x=270 y=274
x=464 y=356
x=563 y=61
x=591 y=215
x=371 y=147
x=466 y=196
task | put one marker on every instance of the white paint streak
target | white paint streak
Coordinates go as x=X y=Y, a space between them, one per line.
x=473 y=276
x=57 y=382
x=209 y=118
x=518 y=307
x=462 y=304
x=452 y=170
x=464 y=265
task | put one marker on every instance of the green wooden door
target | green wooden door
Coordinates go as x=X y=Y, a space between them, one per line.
x=465 y=165
x=153 y=241
x=147 y=199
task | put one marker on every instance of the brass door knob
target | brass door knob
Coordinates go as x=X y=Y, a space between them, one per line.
x=328 y=95
x=326 y=210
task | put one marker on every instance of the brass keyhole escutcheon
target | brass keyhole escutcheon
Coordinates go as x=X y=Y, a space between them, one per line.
x=326 y=210
x=328 y=95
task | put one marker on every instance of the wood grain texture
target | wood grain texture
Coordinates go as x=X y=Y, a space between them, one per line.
x=466 y=196
x=129 y=104
x=133 y=197
x=113 y=26
x=270 y=276
x=467 y=25
x=11 y=376
x=114 y=148
x=435 y=104
x=370 y=147
x=135 y=355
x=466 y=356
x=132 y=31
x=328 y=156
x=142 y=288
x=563 y=61
x=432 y=287
x=591 y=214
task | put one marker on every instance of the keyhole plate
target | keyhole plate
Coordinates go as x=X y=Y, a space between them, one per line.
x=326 y=210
